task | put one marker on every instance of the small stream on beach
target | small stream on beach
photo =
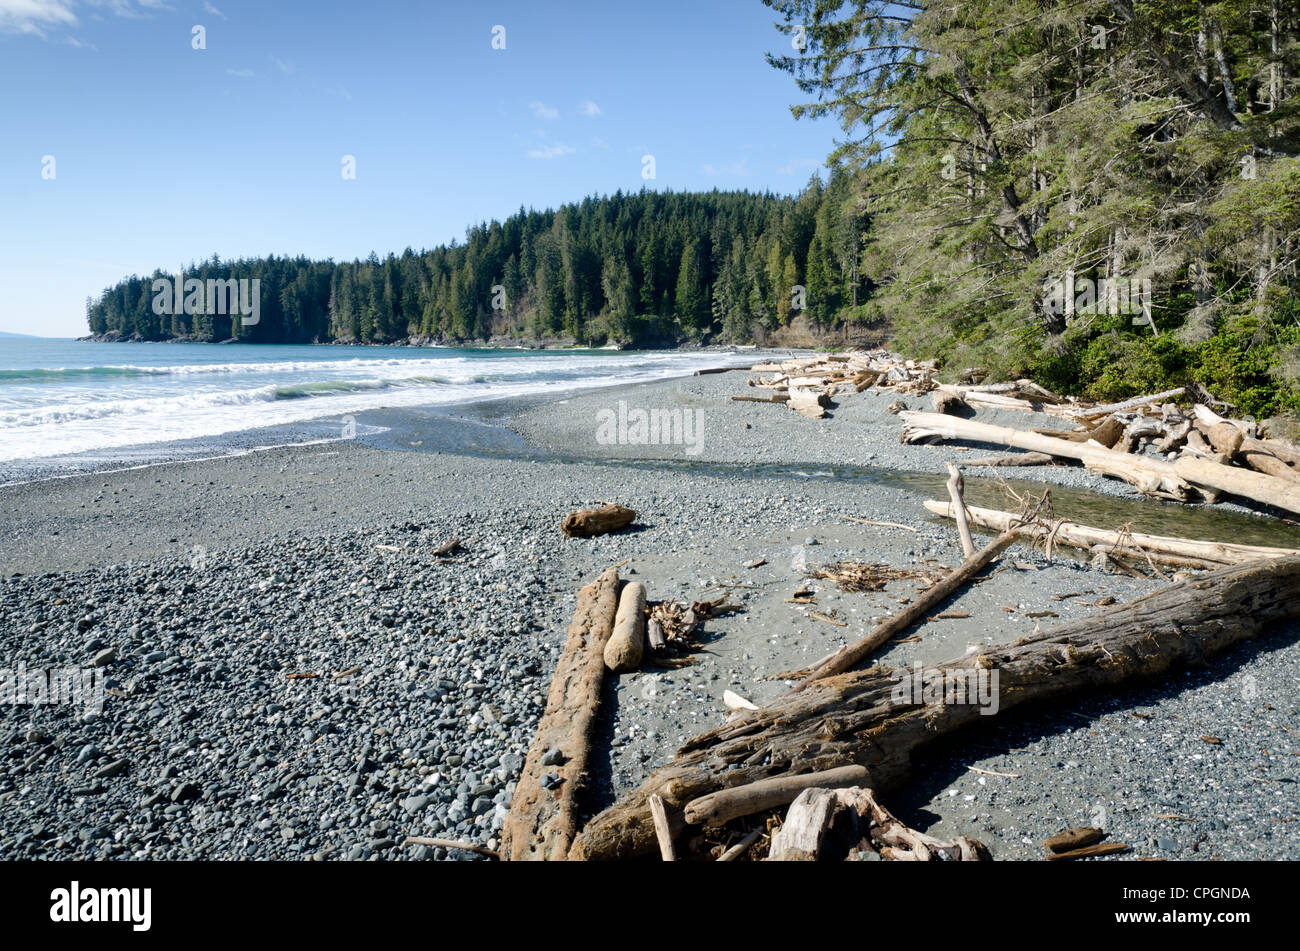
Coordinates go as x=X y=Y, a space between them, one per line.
x=1218 y=523
x=1204 y=522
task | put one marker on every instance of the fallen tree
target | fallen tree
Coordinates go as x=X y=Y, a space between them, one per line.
x=1135 y=544
x=1151 y=476
x=543 y=816
x=1178 y=480
x=854 y=718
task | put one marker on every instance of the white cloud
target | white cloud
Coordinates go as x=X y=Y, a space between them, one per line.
x=209 y=8
x=733 y=168
x=35 y=16
x=589 y=108
x=242 y=73
x=551 y=151
x=130 y=9
x=543 y=111
x=599 y=143
x=282 y=66
x=799 y=164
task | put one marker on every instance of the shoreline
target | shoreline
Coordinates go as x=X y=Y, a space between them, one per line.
x=215 y=580
x=325 y=424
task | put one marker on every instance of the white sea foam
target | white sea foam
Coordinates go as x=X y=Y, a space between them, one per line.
x=76 y=407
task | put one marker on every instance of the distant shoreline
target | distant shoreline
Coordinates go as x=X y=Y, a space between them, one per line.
x=423 y=343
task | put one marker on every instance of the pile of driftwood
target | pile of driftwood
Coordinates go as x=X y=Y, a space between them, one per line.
x=1195 y=456
x=613 y=631
x=1154 y=426
x=808 y=385
x=848 y=731
x=797 y=779
x=673 y=625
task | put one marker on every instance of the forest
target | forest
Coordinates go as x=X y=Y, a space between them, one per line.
x=648 y=268
x=1102 y=195
x=1025 y=164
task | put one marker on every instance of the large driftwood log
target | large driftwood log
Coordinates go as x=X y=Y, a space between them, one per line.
x=588 y=523
x=1153 y=477
x=1132 y=544
x=855 y=719
x=1246 y=483
x=543 y=821
x=721 y=807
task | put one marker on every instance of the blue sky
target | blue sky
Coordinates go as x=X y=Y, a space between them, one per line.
x=164 y=154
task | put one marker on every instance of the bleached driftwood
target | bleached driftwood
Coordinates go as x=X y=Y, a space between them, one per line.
x=721 y=807
x=1153 y=477
x=1135 y=544
x=855 y=719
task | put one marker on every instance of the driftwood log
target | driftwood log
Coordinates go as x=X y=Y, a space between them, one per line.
x=721 y=807
x=854 y=719
x=1132 y=544
x=1245 y=483
x=831 y=824
x=543 y=816
x=626 y=646
x=588 y=523
x=891 y=627
x=1153 y=477
x=1177 y=480
x=956 y=485
x=1023 y=459
x=1096 y=412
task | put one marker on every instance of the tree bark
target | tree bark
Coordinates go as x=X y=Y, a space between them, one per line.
x=587 y=523
x=854 y=720
x=1131 y=544
x=542 y=822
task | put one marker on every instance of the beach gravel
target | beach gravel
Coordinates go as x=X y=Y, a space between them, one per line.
x=293 y=673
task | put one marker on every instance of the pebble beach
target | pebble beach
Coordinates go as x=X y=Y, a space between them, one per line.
x=292 y=673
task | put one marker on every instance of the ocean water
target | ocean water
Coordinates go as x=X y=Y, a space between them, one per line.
x=65 y=397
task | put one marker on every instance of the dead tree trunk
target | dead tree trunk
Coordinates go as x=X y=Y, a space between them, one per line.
x=856 y=718
x=589 y=523
x=543 y=815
